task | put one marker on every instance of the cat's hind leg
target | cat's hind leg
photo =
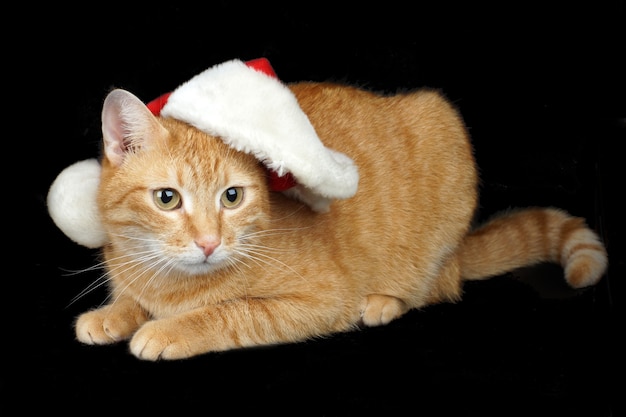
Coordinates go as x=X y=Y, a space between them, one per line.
x=379 y=309
x=110 y=323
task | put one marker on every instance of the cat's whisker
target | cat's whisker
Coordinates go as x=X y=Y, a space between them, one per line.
x=131 y=258
x=291 y=214
x=169 y=265
x=98 y=282
x=246 y=255
x=94 y=285
x=260 y=257
x=234 y=264
x=146 y=267
x=274 y=232
x=267 y=249
x=135 y=259
x=73 y=272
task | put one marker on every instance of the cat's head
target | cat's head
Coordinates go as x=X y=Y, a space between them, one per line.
x=174 y=190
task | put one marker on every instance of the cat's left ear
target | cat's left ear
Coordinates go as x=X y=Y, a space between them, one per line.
x=72 y=205
x=127 y=125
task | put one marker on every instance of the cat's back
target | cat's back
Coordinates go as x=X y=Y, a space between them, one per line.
x=417 y=186
x=419 y=124
x=414 y=140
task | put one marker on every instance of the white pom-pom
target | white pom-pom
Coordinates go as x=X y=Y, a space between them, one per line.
x=72 y=203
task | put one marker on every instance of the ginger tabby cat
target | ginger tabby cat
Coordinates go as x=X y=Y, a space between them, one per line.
x=204 y=257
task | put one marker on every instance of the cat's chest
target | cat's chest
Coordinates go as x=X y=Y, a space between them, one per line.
x=169 y=296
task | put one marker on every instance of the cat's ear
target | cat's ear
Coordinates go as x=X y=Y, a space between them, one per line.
x=127 y=125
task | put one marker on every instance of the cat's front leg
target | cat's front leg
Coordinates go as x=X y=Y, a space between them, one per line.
x=239 y=323
x=110 y=323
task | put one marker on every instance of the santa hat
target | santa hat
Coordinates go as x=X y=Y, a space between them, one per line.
x=246 y=106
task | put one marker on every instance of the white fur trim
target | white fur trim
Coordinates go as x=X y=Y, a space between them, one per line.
x=72 y=203
x=259 y=115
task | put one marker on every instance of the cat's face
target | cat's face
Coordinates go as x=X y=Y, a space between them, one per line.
x=181 y=201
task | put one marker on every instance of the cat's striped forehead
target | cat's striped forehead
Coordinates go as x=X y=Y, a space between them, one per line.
x=191 y=158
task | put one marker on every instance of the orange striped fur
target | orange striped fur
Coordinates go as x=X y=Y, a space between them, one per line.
x=196 y=275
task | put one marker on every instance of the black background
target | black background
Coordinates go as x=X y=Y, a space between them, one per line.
x=541 y=87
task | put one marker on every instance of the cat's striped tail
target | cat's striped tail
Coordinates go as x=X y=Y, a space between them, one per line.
x=530 y=236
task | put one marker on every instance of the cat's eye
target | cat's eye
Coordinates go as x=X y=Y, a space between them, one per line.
x=167 y=199
x=232 y=197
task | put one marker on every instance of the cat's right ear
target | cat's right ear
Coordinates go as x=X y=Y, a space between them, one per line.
x=127 y=125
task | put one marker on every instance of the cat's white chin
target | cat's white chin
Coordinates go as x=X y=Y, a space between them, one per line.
x=195 y=269
x=202 y=266
x=193 y=262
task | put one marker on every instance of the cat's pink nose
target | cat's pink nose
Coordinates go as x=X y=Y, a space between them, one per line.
x=208 y=244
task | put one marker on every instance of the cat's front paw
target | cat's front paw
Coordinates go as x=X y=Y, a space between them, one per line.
x=377 y=309
x=106 y=325
x=162 y=339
